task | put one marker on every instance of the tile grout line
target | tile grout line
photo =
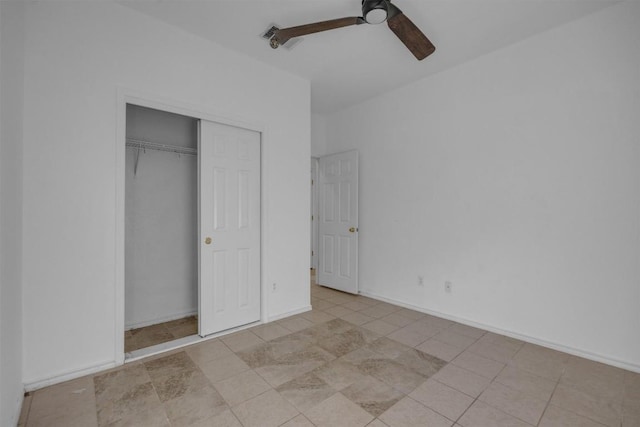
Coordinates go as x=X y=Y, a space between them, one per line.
x=475 y=399
x=156 y=392
x=509 y=364
x=550 y=396
x=549 y=401
x=492 y=381
x=568 y=410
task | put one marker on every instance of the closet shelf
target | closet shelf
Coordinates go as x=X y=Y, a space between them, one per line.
x=148 y=145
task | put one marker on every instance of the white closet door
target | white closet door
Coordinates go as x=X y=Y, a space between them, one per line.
x=338 y=225
x=229 y=208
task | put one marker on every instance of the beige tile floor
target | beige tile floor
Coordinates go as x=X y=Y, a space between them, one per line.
x=352 y=361
x=148 y=336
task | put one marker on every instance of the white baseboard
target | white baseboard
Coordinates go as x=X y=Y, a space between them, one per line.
x=132 y=357
x=151 y=351
x=19 y=403
x=163 y=319
x=629 y=366
x=288 y=314
x=164 y=347
x=161 y=348
x=72 y=375
x=194 y=339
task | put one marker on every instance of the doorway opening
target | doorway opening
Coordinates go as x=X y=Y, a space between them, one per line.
x=161 y=227
x=334 y=199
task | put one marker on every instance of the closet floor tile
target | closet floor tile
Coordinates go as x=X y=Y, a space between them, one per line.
x=160 y=333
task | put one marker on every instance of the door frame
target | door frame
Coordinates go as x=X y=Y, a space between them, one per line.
x=127 y=96
x=314 y=213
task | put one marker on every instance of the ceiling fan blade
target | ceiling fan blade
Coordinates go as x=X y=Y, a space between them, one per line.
x=283 y=35
x=411 y=36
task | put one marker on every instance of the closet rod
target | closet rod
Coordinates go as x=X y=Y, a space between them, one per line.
x=143 y=145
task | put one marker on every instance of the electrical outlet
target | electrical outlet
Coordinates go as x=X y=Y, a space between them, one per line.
x=447 y=287
x=420 y=281
x=275 y=287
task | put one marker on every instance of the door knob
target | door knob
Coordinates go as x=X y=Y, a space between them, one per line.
x=353 y=230
x=207 y=241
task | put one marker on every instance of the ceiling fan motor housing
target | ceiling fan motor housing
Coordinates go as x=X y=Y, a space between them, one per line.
x=375 y=11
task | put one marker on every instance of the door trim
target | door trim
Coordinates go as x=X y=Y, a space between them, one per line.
x=314 y=213
x=128 y=96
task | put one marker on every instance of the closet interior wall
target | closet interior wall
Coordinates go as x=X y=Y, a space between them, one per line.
x=161 y=281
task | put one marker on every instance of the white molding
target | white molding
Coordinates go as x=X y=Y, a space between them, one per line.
x=195 y=339
x=630 y=366
x=264 y=237
x=175 y=316
x=71 y=375
x=182 y=342
x=119 y=273
x=20 y=406
x=315 y=212
x=133 y=356
x=164 y=347
x=289 y=314
x=131 y=96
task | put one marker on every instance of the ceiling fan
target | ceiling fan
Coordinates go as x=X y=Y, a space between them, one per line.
x=373 y=12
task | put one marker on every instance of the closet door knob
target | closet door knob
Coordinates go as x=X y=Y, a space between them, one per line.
x=207 y=241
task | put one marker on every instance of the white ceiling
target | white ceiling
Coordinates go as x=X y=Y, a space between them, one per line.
x=349 y=65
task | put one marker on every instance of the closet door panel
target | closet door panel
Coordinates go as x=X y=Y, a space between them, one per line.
x=229 y=250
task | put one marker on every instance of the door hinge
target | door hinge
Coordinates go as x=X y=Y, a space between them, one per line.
x=311 y=217
x=312 y=253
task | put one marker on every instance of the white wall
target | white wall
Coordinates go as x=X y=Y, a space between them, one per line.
x=77 y=55
x=516 y=177
x=318 y=135
x=161 y=127
x=11 y=97
x=161 y=221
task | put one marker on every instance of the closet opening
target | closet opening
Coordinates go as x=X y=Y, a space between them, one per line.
x=161 y=228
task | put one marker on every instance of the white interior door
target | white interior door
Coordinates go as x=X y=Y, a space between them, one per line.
x=338 y=222
x=229 y=208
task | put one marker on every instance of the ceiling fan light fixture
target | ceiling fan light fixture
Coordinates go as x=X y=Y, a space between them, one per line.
x=374 y=11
